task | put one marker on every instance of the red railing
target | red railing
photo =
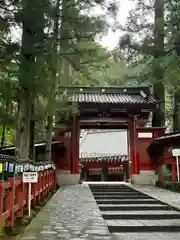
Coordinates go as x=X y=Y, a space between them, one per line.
x=14 y=193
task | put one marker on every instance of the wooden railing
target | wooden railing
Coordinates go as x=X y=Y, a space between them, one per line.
x=14 y=193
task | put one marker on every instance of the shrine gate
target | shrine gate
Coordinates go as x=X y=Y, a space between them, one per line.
x=108 y=108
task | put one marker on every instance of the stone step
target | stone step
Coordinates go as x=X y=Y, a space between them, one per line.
x=111 y=188
x=130 y=212
x=146 y=236
x=141 y=216
x=144 y=222
x=134 y=207
x=116 y=193
x=145 y=229
x=108 y=185
x=135 y=200
x=128 y=201
x=150 y=212
x=120 y=187
x=140 y=196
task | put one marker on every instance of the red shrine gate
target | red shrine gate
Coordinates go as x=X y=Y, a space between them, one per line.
x=108 y=108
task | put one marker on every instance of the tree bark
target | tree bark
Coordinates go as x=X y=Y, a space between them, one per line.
x=39 y=55
x=158 y=87
x=49 y=137
x=32 y=134
x=176 y=110
x=65 y=41
x=23 y=126
x=54 y=83
x=175 y=19
x=32 y=13
x=3 y=135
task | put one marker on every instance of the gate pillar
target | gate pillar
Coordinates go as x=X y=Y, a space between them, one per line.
x=174 y=172
x=76 y=164
x=75 y=134
x=133 y=146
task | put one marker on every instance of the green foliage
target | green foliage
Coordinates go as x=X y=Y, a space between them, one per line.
x=10 y=133
x=60 y=49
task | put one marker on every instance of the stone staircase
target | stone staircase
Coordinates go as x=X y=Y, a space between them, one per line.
x=128 y=212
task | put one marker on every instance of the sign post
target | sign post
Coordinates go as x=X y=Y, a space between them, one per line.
x=30 y=177
x=29 y=200
x=176 y=153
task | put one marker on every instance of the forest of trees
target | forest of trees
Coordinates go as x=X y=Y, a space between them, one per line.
x=58 y=46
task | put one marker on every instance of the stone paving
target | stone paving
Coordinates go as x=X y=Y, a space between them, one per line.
x=71 y=214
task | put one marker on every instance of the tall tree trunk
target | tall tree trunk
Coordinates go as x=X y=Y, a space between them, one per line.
x=30 y=26
x=176 y=110
x=26 y=76
x=54 y=84
x=3 y=134
x=158 y=87
x=39 y=55
x=32 y=134
x=23 y=126
x=175 y=21
x=65 y=40
x=49 y=137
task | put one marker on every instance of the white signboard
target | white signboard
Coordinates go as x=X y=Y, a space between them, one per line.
x=176 y=152
x=144 y=135
x=30 y=177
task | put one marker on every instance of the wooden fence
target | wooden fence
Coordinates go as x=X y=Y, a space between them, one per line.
x=14 y=193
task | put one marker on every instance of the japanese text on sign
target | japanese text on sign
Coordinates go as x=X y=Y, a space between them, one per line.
x=176 y=152
x=30 y=177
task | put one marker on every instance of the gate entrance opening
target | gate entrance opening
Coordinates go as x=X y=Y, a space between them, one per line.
x=109 y=108
x=104 y=155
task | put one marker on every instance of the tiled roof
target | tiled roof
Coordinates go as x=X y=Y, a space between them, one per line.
x=109 y=98
x=169 y=136
x=107 y=158
x=109 y=95
x=156 y=148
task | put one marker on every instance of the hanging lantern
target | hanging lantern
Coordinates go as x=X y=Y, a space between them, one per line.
x=16 y=169
x=1 y=168
x=30 y=167
x=11 y=168
x=22 y=169
x=6 y=166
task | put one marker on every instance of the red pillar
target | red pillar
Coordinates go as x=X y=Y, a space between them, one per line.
x=130 y=150
x=77 y=146
x=75 y=132
x=73 y=145
x=133 y=147
x=174 y=172
x=68 y=151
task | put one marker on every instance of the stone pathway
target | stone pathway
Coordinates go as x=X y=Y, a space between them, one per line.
x=129 y=212
x=71 y=214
